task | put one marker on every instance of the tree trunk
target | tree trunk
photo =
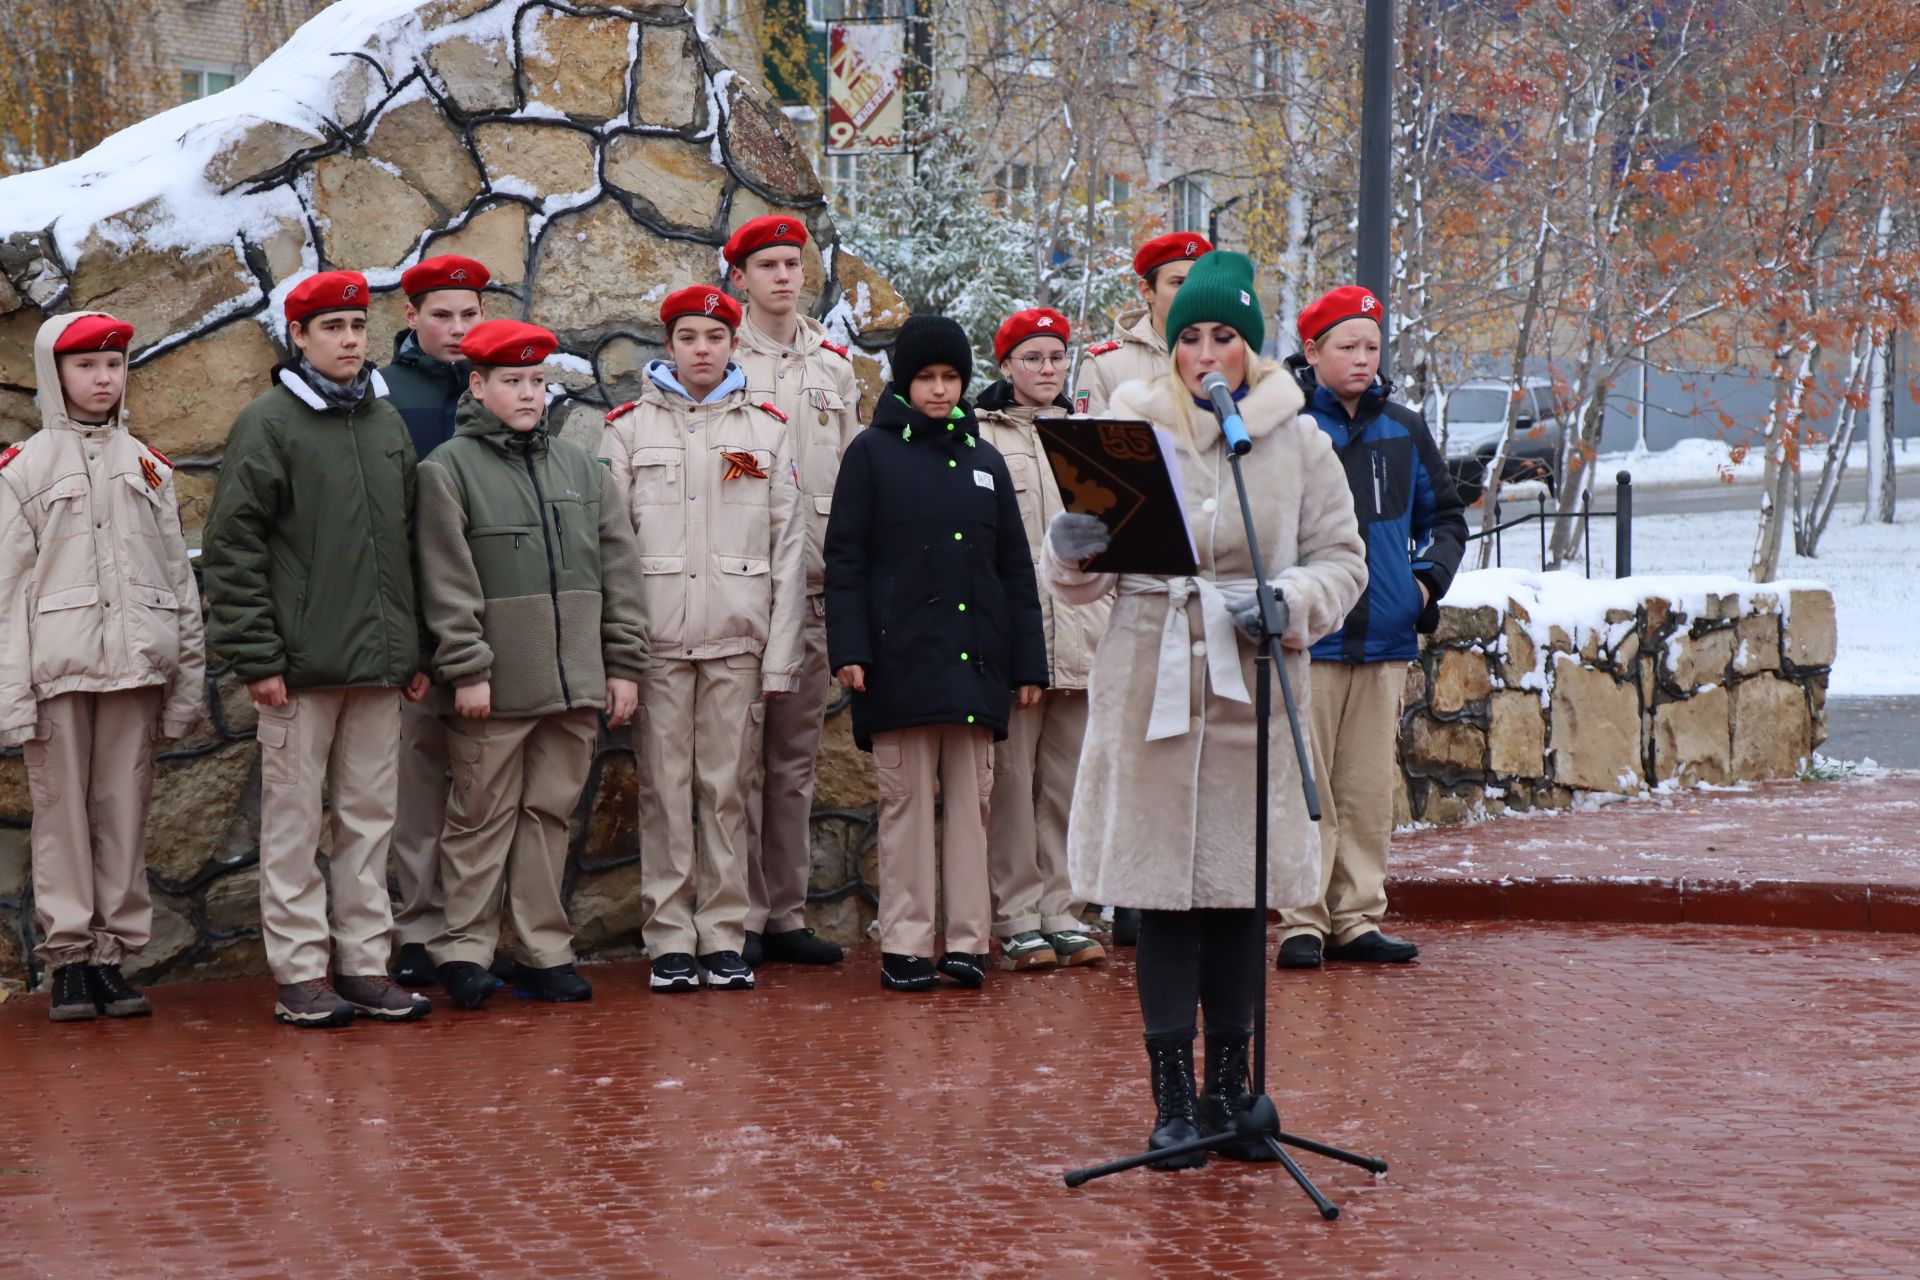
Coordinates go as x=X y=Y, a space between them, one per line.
x=1880 y=433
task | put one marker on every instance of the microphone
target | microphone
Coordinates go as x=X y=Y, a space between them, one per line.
x=1215 y=385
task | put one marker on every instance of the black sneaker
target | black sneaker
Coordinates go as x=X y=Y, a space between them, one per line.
x=72 y=999
x=467 y=984
x=907 y=973
x=113 y=995
x=1301 y=951
x=560 y=984
x=752 y=952
x=1374 y=947
x=502 y=969
x=799 y=946
x=413 y=967
x=675 y=971
x=967 y=970
x=726 y=971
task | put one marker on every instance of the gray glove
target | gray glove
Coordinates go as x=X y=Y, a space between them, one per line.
x=1246 y=615
x=1077 y=538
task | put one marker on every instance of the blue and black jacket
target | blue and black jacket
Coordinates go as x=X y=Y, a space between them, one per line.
x=1409 y=514
x=425 y=391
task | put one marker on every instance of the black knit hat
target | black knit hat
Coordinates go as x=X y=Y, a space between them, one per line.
x=930 y=340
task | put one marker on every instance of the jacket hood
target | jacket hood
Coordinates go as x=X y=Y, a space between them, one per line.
x=660 y=374
x=1318 y=397
x=471 y=418
x=1263 y=407
x=1136 y=325
x=46 y=372
x=893 y=414
x=289 y=376
x=998 y=398
x=805 y=342
x=408 y=351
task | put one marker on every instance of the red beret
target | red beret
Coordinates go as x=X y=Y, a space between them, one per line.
x=508 y=344
x=93 y=333
x=1348 y=302
x=328 y=291
x=449 y=271
x=700 y=300
x=1038 y=322
x=764 y=233
x=1180 y=246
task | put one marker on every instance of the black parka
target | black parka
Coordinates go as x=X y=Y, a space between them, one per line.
x=929 y=581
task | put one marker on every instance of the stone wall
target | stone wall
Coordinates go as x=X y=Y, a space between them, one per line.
x=1536 y=688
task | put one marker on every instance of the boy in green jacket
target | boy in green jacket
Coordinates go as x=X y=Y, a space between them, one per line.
x=308 y=571
x=531 y=575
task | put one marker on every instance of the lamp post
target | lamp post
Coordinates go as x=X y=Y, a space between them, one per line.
x=1376 y=161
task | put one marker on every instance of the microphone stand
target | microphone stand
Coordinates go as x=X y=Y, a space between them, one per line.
x=1260 y=1121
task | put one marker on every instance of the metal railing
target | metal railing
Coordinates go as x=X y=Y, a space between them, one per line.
x=1621 y=515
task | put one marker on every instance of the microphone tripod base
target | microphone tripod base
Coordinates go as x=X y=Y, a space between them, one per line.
x=1259 y=1123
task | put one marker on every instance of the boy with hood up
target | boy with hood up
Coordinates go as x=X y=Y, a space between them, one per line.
x=101 y=652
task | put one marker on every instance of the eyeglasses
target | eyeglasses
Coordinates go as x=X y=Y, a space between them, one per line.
x=1034 y=362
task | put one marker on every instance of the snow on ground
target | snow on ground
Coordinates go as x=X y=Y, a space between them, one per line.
x=1705 y=461
x=1873 y=571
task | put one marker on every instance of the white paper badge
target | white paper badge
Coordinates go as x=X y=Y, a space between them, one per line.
x=984 y=479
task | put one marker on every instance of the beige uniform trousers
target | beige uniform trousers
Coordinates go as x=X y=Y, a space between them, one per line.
x=343 y=744
x=1355 y=719
x=1033 y=772
x=909 y=762
x=90 y=774
x=694 y=884
x=421 y=913
x=516 y=782
x=780 y=812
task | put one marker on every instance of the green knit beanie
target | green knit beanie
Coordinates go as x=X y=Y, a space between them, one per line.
x=1219 y=290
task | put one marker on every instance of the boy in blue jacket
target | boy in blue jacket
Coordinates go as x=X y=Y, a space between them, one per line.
x=1415 y=531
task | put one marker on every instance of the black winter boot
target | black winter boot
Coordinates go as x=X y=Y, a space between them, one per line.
x=1227 y=1095
x=113 y=994
x=1170 y=1060
x=71 y=998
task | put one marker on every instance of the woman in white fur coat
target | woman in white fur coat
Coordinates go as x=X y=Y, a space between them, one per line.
x=1164 y=805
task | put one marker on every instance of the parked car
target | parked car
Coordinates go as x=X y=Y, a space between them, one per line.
x=1473 y=414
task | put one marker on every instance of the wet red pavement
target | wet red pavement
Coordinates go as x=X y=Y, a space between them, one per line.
x=1583 y=1100
x=1819 y=855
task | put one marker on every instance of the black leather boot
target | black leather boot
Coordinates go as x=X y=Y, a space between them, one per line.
x=1170 y=1060
x=1228 y=1096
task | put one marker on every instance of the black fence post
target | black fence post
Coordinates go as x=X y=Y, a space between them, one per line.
x=1623 y=525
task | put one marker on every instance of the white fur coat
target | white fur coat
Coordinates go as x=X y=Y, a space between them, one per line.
x=1168 y=824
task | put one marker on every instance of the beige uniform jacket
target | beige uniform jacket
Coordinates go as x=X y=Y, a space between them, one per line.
x=96 y=591
x=723 y=550
x=812 y=383
x=1137 y=353
x=1073 y=630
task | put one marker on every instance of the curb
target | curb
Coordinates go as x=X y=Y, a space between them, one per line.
x=1797 y=904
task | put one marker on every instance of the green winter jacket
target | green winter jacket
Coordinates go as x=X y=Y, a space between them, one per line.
x=307 y=557
x=529 y=568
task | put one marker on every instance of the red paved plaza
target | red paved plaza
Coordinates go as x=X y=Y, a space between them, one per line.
x=1585 y=1100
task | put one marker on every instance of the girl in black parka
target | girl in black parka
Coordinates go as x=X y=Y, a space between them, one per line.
x=933 y=620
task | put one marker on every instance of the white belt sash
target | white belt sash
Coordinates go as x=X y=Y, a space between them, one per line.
x=1172 y=706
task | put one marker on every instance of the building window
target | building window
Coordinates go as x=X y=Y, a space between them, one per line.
x=1266 y=64
x=1192 y=203
x=199 y=82
x=715 y=15
x=1116 y=47
x=843 y=183
x=820 y=12
x=1016 y=188
x=1116 y=188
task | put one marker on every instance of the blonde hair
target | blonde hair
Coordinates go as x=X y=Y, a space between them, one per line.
x=1184 y=410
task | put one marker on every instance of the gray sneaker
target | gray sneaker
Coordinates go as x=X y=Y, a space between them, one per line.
x=1029 y=950
x=382 y=999
x=311 y=1004
x=1076 y=948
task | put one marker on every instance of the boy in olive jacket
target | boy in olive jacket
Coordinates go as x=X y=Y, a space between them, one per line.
x=530 y=571
x=309 y=579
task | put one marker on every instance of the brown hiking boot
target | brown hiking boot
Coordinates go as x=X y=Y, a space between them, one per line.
x=381 y=998
x=311 y=1004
